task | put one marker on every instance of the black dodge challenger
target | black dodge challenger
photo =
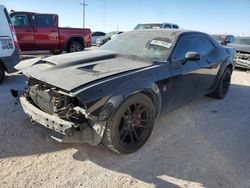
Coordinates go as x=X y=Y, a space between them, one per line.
x=114 y=95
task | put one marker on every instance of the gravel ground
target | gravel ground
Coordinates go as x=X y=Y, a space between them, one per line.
x=203 y=144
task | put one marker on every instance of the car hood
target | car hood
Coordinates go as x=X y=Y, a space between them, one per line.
x=70 y=71
x=240 y=47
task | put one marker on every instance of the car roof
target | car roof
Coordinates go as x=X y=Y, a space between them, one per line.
x=171 y=32
x=35 y=13
x=158 y=23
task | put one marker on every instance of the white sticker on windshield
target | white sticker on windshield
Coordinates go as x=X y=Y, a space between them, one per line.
x=161 y=43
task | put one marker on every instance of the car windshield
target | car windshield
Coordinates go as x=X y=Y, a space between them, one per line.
x=154 y=46
x=148 y=26
x=242 y=40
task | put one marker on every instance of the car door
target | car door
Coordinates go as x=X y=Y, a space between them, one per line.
x=24 y=30
x=191 y=79
x=46 y=31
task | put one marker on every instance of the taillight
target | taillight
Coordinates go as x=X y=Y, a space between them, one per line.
x=14 y=36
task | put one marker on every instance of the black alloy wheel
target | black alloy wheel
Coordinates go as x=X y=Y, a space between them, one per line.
x=223 y=86
x=225 y=82
x=131 y=125
x=134 y=125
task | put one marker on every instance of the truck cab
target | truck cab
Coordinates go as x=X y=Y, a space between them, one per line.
x=36 y=31
x=40 y=31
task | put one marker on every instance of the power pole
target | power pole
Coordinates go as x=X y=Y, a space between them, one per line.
x=83 y=4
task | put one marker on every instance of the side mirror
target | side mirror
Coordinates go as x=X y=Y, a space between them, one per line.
x=191 y=56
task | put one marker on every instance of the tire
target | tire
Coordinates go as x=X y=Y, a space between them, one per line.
x=2 y=73
x=75 y=46
x=56 y=52
x=223 y=86
x=131 y=125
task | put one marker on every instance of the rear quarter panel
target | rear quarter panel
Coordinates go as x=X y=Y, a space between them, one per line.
x=65 y=34
x=225 y=57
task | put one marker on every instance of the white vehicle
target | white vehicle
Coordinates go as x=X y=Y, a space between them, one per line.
x=156 y=26
x=9 y=49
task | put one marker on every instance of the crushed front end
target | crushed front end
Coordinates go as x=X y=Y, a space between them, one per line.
x=242 y=59
x=54 y=109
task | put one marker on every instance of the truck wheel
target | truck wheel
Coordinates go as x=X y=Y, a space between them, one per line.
x=75 y=46
x=2 y=73
x=56 y=52
x=224 y=83
x=131 y=125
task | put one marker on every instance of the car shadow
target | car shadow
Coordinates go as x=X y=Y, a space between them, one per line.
x=203 y=144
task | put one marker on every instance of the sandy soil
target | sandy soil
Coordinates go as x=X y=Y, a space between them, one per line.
x=203 y=144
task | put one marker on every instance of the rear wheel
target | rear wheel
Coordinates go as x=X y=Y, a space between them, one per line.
x=75 y=46
x=224 y=83
x=131 y=125
x=2 y=73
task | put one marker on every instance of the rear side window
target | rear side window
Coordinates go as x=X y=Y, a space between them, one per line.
x=175 y=26
x=44 y=20
x=7 y=15
x=20 y=20
x=193 y=43
x=167 y=26
x=206 y=45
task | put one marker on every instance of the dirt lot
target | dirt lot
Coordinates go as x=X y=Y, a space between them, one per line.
x=204 y=144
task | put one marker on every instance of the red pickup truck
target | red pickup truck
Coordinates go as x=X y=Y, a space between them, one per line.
x=37 y=31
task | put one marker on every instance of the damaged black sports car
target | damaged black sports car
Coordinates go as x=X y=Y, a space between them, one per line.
x=114 y=95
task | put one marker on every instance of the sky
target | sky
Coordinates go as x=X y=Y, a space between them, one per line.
x=210 y=16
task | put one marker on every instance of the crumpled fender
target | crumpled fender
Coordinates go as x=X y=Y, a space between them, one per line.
x=132 y=87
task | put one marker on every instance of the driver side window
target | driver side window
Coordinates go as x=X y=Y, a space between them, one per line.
x=194 y=43
x=187 y=44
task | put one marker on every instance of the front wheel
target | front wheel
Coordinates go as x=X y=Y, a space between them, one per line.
x=131 y=125
x=2 y=73
x=223 y=86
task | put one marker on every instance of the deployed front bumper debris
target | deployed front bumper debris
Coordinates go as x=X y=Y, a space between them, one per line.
x=49 y=121
x=86 y=131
